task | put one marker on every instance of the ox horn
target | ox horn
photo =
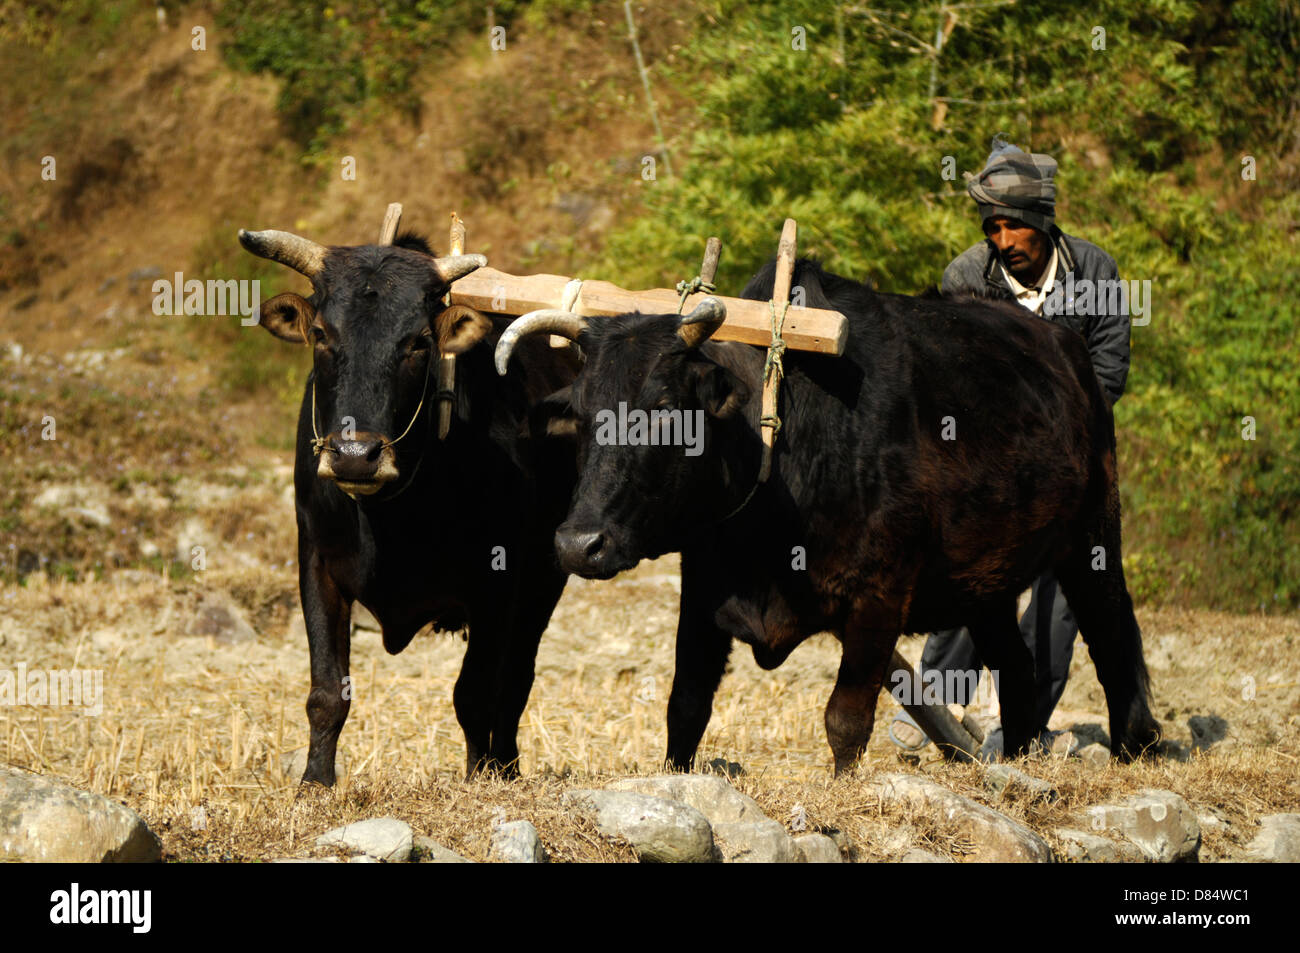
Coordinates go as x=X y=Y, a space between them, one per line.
x=452 y=267
x=698 y=326
x=564 y=323
x=301 y=254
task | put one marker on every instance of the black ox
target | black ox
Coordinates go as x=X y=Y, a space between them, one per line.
x=419 y=530
x=900 y=529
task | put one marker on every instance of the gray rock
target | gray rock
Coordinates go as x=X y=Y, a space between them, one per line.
x=304 y=860
x=1090 y=733
x=220 y=618
x=383 y=838
x=1160 y=824
x=47 y=821
x=1173 y=750
x=710 y=794
x=1085 y=847
x=918 y=856
x=1211 y=822
x=728 y=769
x=1001 y=779
x=1095 y=755
x=1278 y=840
x=659 y=830
x=91 y=516
x=429 y=851
x=897 y=840
x=1062 y=743
x=517 y=842
x=997 y=838
x=817 y=849
x=1206 y=730
x=758 y=842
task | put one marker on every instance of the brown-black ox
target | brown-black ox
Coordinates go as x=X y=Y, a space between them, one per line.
x=417 y=529
x=872 y=523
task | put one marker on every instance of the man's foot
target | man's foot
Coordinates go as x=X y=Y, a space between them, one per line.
x=906 y=733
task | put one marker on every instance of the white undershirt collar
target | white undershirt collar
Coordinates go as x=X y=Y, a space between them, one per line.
x=1033 y=298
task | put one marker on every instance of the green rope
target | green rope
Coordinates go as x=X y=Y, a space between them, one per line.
x=686 y=288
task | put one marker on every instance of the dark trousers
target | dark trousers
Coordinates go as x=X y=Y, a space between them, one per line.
x=1048 y=628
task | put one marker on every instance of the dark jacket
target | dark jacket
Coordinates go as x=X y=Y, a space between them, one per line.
x=976 y=271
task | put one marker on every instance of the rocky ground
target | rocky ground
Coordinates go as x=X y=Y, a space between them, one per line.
x=152 y=540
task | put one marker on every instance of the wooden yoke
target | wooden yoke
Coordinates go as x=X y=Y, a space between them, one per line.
x=747 y=322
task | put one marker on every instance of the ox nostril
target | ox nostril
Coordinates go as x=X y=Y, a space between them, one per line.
x=376 y=448
x=591 y=545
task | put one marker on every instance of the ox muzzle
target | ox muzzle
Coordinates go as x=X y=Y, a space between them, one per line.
x=360 y=466
x=592 y=552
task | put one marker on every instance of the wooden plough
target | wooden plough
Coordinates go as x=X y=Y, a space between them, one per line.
x=776 y=325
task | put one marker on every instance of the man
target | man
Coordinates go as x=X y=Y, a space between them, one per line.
x=1027 y=258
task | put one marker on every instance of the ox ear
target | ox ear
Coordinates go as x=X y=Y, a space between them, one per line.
x=288 y=316
x=721 y=392
x=459 y=328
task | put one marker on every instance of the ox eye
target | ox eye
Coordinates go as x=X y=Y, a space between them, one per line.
x=419 y=345
x=316 y=335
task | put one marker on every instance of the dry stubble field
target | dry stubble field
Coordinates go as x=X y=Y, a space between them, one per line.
x=204 y=736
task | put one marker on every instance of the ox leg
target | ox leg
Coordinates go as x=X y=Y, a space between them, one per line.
x=1093 y=582
x=702 y=652
x=851 y=711
x=475 y=688
x=517 y=667
x=328 y=616
x=998 y=640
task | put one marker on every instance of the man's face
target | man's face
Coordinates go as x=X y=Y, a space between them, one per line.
x=1024 y=250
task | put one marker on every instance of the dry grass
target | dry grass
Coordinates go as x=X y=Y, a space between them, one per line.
x=197 y=735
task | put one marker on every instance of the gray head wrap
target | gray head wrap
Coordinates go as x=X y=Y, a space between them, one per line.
x=1017 y=185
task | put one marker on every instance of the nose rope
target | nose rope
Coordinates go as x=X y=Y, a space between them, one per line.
x=319 y=444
